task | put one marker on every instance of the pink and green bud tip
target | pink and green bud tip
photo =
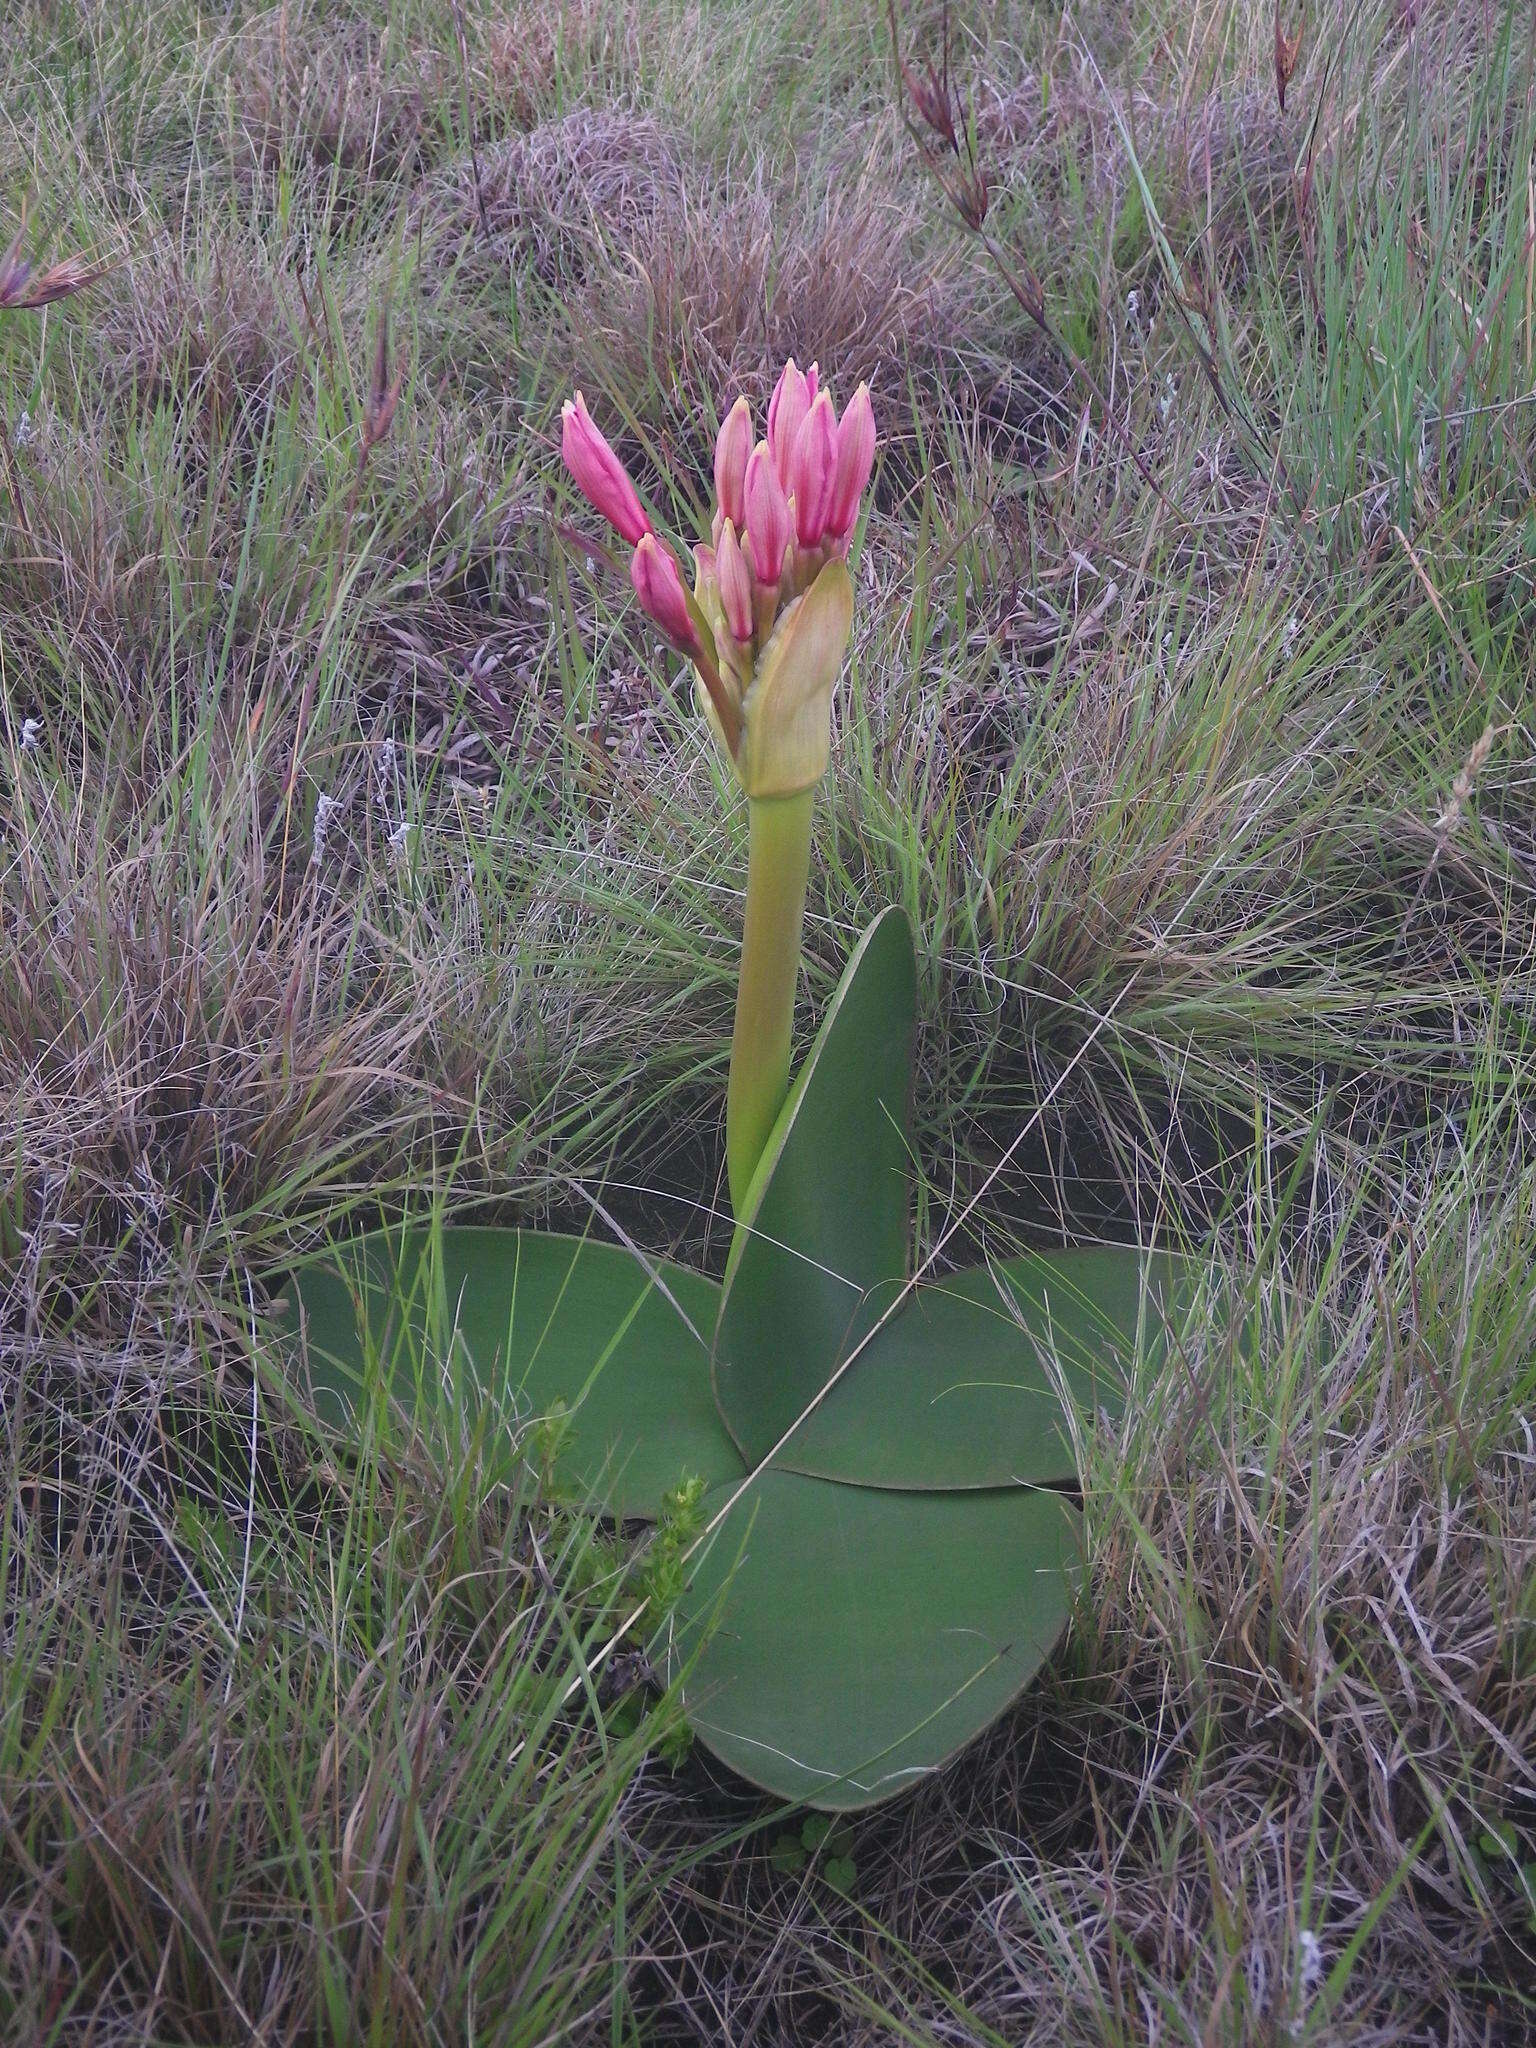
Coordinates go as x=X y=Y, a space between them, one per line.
x=855 y=460
x=734 y=580
x=812 y=462
x=663 y=595
x=787 y=408
x=765 y=622
x=733 y=451
x=599 y=475
x=769 y=531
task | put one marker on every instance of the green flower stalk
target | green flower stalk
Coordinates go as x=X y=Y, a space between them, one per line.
x=778 y=868
x=766 y=627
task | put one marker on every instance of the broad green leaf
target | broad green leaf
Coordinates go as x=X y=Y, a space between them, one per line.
x=850 y=1639
x=826 y=1217
x=535 y=1319
x=972 y=1379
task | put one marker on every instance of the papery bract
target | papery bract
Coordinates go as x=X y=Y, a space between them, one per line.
x=786 y=737
x=600 y=476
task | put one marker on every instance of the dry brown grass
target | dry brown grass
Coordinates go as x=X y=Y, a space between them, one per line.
x=716 y=298
x=312 y=92
x=678 y=287
x=1213 y=158
x=560 y=195
x=1158 y=769
x=227 y=1841
x=221 y=326
x=173 y=1056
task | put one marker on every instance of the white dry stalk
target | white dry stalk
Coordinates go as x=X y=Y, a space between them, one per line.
x=325 y=809
x=1465 y=783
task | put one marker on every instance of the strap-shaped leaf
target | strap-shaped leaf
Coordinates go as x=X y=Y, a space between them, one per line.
x=851 y=1639
x=536 y=1319
x=826 y=1216
x=972 y=1380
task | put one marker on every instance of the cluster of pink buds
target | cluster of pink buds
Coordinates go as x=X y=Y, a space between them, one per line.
x=786 y=507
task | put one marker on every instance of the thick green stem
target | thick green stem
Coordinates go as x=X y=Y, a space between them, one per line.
x=778 y=864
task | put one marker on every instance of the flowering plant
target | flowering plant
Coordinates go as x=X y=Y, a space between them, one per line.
x=766 y=627
x=887 y=1460
x=766 y=622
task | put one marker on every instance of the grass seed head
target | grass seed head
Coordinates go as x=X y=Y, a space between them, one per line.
x=24 y=288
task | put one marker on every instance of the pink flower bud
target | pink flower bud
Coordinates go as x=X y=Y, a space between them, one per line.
x=733 y=449
x=735 y=583
x=768 y=527
x=663 y=597
x=812 y=384
x=787 y=408
x=855 y=460
x=600 y=476
x=812 y=461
